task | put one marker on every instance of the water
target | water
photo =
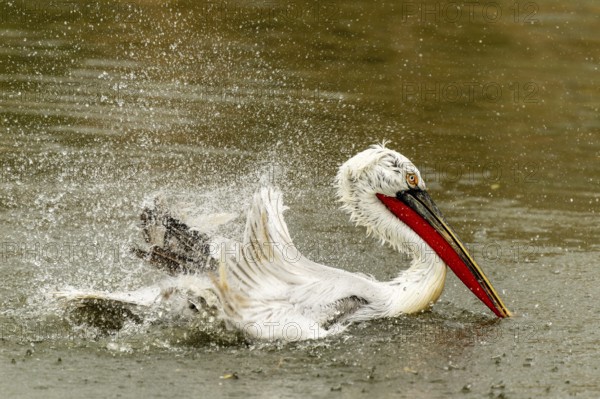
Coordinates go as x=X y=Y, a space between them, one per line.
x=105 y=104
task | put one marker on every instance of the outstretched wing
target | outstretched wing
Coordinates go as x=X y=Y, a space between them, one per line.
x=266 y=280
x=267 y=260
x=178 y=244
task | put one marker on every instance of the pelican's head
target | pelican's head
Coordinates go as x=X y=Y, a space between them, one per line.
x=377 y=170
x=383 y=191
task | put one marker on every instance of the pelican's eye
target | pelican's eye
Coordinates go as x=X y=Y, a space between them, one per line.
x=412 y=179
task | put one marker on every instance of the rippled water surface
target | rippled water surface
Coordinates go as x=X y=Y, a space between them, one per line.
x=104 y=105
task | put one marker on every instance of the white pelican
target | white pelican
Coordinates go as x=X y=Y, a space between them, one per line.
x=265 y=288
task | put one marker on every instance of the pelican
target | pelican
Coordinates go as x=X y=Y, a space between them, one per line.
x=265 y=288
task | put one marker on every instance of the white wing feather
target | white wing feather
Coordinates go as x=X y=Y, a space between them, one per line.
x=270 y=294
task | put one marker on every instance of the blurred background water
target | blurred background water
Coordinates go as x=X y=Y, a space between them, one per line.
x=104 y=104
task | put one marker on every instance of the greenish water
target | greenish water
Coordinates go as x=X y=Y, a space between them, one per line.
x=105 y=104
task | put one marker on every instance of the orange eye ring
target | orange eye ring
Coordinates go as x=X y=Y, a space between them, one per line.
x=412 y=179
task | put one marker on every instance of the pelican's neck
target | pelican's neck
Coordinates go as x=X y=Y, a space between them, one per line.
x=418 y=287
x=422 y=283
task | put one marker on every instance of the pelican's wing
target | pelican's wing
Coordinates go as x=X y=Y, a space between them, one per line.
x=267 y=259
x=262 y=267
x=180 y=296
x=267 y=282
x=108 y=311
